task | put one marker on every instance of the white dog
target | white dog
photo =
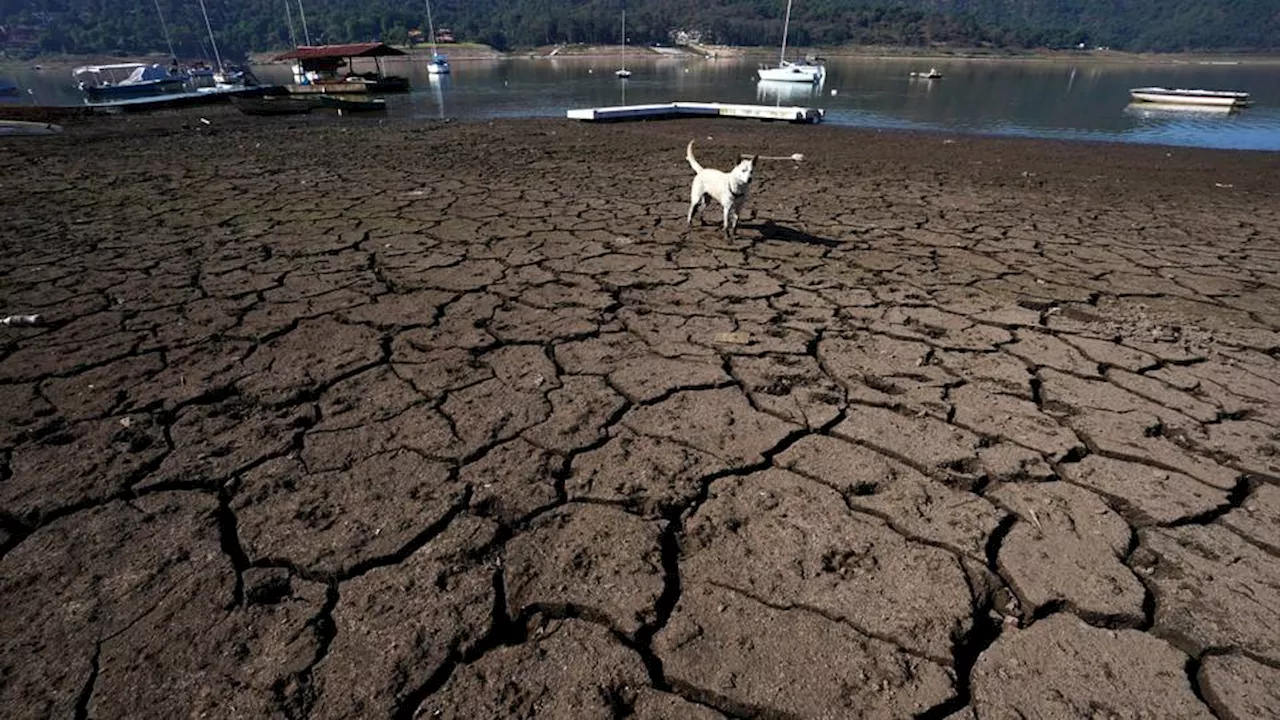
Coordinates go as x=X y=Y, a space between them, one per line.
x=727 y=188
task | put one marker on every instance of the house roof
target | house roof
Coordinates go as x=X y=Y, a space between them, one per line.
x=312 y=52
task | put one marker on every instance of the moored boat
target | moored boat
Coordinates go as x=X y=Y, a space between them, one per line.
x=122 y=81
x=787 y=71
x=439 y=64
x=1179 y=96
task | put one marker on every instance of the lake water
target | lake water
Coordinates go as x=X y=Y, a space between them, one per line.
x=1048 y=99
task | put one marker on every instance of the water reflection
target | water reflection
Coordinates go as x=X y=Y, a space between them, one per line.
x=1174 y=111
x=437 y=83
x=780 y=92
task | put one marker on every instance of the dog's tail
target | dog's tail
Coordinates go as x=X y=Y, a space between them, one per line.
x=688 y=155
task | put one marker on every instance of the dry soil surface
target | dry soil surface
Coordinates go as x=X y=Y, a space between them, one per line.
x=364 y=419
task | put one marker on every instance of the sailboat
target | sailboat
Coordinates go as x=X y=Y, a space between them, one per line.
x=439 y=64
x=221 y=78
x=789 y=71
x=624 y=73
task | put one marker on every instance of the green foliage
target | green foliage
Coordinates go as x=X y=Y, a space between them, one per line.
x=105 y=26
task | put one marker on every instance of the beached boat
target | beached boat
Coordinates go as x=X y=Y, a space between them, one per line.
x=315 y=69
x=623 y=72
x=786 y=71
x=1179 y=96
x=121 y=81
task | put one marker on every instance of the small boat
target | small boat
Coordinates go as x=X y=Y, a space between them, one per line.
x=933 y=74
x=348 y=105
x=1179 y=96
x=623 y=73
x=274 y=105
x=786 y=71
x=439 y=64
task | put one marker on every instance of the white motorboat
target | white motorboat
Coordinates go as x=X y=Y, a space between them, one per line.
x=785 y=71
x=101 y=83
x=1179 y=96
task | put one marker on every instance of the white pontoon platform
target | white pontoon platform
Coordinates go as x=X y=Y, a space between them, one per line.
x=696 y=109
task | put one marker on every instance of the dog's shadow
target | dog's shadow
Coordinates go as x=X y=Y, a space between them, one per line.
x=769 y=230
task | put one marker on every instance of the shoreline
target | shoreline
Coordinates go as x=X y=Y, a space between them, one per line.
x=470 y=52
x=91 y=121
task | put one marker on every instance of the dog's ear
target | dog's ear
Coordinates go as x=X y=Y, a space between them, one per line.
x=754 y=158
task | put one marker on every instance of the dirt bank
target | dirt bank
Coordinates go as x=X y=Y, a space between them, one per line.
x=335 y=418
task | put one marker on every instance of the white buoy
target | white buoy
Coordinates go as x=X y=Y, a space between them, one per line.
x=833 y=93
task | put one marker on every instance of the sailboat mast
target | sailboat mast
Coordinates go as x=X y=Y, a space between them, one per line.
x=786 y=25
x=306 y=34
x=624 y=39
x=288 y=13
x=431 y=29
x=216 y=55
x=165 y=28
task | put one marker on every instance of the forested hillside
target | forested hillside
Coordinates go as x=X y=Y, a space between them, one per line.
x=97 y=26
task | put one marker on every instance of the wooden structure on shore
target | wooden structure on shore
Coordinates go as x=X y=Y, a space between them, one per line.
x=316 y=69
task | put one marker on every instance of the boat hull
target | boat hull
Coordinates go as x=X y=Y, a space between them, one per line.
x=793 y=73
x=168 y=86
x=1164 y=96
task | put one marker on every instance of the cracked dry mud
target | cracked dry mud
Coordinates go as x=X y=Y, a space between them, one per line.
x=392 y=419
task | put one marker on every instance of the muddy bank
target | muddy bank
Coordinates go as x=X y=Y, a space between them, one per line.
x=372 y=418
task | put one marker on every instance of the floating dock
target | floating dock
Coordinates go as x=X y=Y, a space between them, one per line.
x=697 y=109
